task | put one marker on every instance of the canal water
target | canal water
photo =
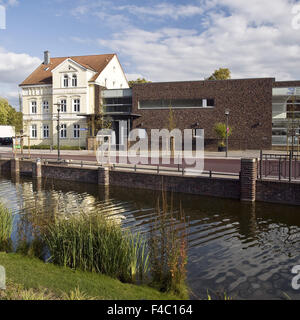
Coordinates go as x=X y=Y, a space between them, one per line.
x=245 y=250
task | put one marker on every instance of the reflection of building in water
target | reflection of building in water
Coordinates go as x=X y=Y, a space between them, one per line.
x=48 y=203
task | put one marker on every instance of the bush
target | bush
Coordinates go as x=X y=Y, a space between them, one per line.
x=220 y=130
x=48 y=147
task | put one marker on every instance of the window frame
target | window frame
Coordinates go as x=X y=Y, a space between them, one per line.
x=46 y=130
x=74 y=80
x=163 y=104
x=46 y=105
x=76 y=106
x=31 y=106
x=63 y=129
x=76 y=131
x=33 y=128
x=63 y=110
x=65 y=81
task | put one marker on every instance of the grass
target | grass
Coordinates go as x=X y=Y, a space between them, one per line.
x=94 y=243
x=37 y=277
x=6 y=223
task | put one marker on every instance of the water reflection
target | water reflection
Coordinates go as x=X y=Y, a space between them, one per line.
x=247 y=250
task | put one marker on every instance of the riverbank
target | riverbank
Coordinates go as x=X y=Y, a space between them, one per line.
x=60 y=283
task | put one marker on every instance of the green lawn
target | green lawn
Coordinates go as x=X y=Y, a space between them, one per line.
x=32 y=273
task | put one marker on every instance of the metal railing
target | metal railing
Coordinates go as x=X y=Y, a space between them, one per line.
x=279 y=166
x=158 y=169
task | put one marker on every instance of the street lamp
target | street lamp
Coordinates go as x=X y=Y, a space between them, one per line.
x=227 y=130
x=58 y=131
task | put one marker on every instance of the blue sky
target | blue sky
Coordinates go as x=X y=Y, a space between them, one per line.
x=159 y=40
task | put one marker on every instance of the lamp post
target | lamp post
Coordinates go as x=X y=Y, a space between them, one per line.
x=227 y=130
x=58 y=131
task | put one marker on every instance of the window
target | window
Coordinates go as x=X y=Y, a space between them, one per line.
x=74 y=80
x=33 y=131
x=45 y=131
x=176 y=103
x=76 y=131
x=76 y=105
x=33 y=107
x=210 y=102
x=63 y=131
x=66 y=81
x=63 y=105
x=46 y=106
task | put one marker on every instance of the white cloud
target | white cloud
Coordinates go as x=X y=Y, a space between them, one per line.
x=252 y=39
x=9 y=3
x=14 y=68
x=164 y=10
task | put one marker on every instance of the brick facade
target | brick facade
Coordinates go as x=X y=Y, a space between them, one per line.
x=249 y=102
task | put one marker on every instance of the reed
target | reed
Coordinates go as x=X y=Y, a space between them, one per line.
x=6 y=225
x=168 y=248
x=93 y=243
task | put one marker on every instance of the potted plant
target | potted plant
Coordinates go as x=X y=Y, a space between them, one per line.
x=220 y=130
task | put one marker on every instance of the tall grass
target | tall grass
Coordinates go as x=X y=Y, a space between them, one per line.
x=168 y=248
x=93 y=243
x=6 y=224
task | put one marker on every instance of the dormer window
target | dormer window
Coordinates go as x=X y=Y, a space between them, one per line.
x=66 y=81
x=74 y=80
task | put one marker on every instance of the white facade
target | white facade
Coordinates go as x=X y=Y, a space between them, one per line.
x=74 y=91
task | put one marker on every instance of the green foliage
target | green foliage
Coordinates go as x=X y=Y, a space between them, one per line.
x=220 y=130
x=48 y=147
x=220 y=74
x=9 y=116
x=137 y=81
x=93 y=243
x=6 y=224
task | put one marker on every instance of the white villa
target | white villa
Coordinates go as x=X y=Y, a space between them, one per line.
x=74 y=83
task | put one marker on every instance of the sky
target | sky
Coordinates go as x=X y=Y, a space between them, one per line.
x=158 y=40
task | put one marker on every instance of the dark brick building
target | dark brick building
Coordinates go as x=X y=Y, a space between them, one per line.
x=261 y=111
x=249 y=102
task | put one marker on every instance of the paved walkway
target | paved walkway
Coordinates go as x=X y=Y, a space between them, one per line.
x=208 y=154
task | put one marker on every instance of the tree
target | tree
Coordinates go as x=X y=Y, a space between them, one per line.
x=220 y=74
x=9 y=116
x=171 y=118
x=137 y=81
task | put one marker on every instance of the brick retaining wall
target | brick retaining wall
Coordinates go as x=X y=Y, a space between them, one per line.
x=266 y=191
x=218 y=187
x=278 y=192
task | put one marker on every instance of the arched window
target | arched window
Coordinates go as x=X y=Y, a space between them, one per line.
x=74 y=80
x=66 y=81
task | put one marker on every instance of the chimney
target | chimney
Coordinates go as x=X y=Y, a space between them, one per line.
x=46 y=57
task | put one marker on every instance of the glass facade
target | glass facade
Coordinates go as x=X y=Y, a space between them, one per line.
x=286 y=116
